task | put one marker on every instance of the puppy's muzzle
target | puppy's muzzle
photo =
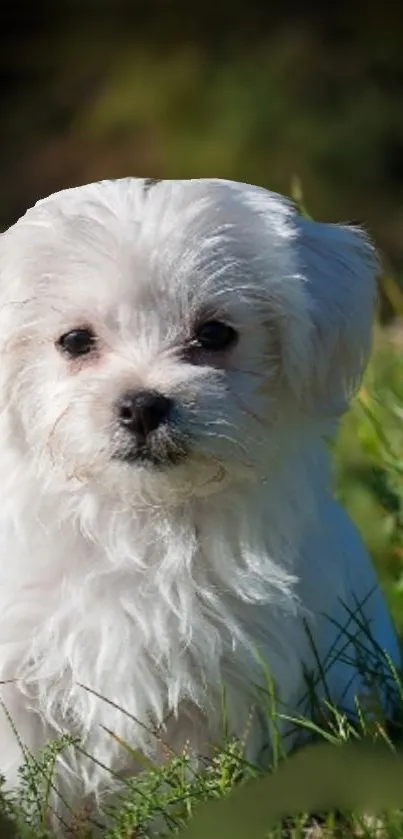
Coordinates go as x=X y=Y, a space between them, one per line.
x=147 y=431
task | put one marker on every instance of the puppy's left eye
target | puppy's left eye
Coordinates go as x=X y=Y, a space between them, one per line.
x=77 y=342
x=214 y=335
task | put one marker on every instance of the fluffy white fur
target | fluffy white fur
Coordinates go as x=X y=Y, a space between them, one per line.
x=156 y=587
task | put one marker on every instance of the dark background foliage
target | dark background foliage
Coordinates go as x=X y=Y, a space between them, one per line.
x=253 y=91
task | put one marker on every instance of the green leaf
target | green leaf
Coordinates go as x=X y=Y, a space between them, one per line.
x=353 y=776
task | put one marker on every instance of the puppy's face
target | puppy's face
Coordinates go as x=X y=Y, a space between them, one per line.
x=155 y=338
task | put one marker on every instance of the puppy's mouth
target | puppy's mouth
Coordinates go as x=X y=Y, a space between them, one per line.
x=144 y=457
x=152 y=452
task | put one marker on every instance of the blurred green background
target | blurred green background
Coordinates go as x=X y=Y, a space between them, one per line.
x=276 y=94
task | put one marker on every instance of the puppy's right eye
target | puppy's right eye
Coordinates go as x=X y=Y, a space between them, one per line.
x=77 y=342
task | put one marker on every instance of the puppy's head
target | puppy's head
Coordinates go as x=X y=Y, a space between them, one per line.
x=159 y=337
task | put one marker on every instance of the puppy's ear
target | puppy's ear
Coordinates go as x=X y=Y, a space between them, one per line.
x=338 y=267
x=321 y=282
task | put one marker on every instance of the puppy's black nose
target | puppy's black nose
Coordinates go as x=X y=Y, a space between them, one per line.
x=142 y=411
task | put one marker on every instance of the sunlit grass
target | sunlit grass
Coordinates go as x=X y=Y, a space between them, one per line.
x=369 y=468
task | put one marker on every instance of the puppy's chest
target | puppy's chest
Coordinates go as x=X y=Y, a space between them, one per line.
x=121 y=636
x=144 y=634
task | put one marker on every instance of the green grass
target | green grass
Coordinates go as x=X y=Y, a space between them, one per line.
x=369 y=468
x=369 y=481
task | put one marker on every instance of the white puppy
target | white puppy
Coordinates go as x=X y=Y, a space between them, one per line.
x=174 y=358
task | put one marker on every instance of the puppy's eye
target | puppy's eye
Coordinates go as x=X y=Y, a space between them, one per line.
x=214 y=335
x=77 y=342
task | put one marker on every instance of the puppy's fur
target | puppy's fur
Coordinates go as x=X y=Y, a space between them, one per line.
x=156 y=581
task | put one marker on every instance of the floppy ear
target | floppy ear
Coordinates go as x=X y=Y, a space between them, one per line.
x=338 y=268
x=322 y=287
